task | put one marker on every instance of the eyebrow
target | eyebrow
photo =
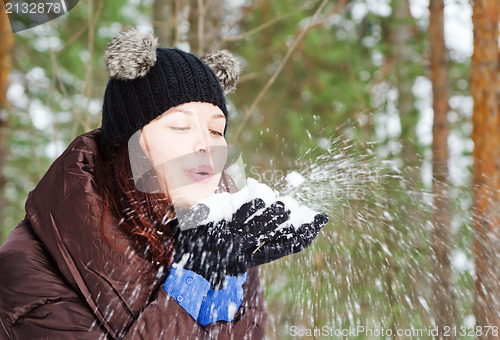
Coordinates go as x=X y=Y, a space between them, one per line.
x=218 y=116
x=190 y=113
x=186 y=112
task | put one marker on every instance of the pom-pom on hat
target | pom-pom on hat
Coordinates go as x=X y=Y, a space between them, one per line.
x=147 y=80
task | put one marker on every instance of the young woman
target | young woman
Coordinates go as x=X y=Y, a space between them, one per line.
x=102 y=252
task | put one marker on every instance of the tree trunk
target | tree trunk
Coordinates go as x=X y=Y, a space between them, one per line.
x=401 y=52
x=485 y=88
x=164 y=21
x=6 y=45
x=205 y=24
x=443 y=306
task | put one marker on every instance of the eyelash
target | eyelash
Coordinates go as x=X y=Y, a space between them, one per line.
x=217 y=133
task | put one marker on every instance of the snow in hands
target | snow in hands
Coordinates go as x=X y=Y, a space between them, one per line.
x=230 y=233
x=224 y=205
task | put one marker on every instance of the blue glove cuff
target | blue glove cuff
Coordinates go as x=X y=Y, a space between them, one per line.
x=187 y=288
x=222 y=304
x=193 y=293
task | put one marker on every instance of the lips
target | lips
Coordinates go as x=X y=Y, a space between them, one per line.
x=202 y=173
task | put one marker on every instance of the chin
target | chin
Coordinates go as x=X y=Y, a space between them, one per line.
x=193 y=193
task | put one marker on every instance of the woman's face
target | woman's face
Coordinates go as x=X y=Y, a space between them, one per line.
x=187 y=148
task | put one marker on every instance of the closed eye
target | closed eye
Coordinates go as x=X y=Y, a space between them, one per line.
x=217 y=133
x=179 y=128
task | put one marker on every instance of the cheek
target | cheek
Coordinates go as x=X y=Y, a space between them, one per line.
x=166 y=146
x=219 y=158
x=221 y=142
x=218 y=144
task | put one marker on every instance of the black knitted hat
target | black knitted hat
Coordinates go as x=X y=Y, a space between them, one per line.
x=146 y=80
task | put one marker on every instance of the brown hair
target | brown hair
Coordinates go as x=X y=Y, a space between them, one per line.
x=146 y=218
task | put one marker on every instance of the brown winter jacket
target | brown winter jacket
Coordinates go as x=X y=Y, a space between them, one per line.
x=60 y=279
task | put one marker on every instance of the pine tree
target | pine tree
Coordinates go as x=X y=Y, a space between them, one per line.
x=485 y=87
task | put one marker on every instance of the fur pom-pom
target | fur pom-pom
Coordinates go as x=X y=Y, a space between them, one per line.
x=131 y=54
x=226 y=67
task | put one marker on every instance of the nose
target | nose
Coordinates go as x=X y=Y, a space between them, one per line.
x=201 y=144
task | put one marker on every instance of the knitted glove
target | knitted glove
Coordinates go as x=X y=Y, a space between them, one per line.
x=216 y=249
x=255 y=234
x=285 y=241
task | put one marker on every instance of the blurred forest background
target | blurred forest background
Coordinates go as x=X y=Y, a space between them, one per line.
x=394 y=124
